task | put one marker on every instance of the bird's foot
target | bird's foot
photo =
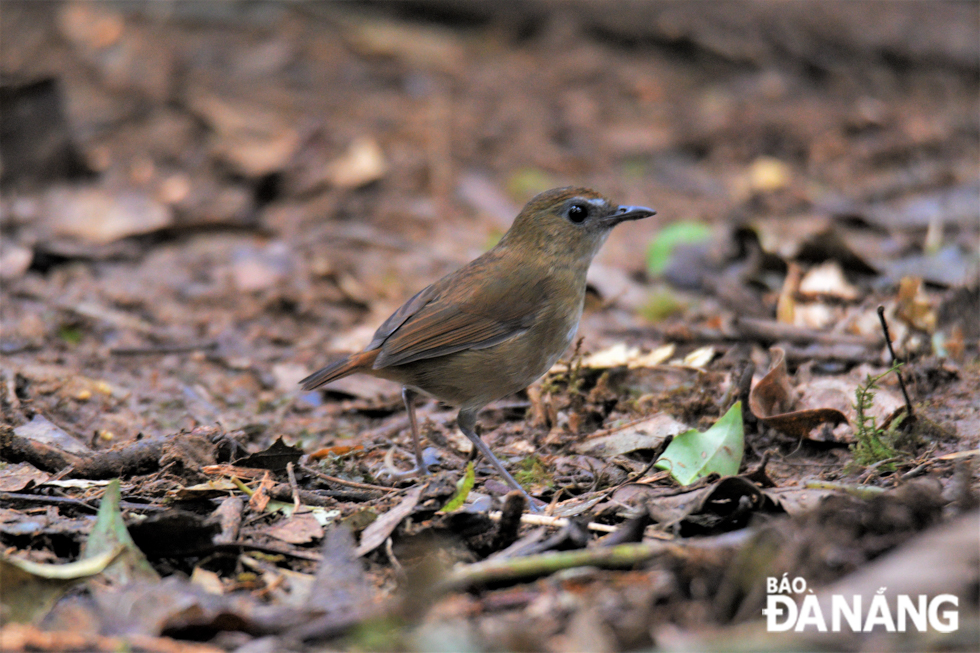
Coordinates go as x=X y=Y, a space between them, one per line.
x=429 y=458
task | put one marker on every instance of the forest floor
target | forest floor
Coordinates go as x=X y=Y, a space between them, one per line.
x=205 y=202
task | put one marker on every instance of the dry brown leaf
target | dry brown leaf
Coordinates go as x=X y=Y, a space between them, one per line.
x=645 y=434
x=773 y=399
x=380 y=529
x=301 y=528
x=260 y=498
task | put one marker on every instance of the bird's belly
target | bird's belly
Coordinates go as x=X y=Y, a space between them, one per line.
x=473 y=378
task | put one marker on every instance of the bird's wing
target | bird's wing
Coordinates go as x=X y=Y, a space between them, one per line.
x=462 y=311
x=407 y=310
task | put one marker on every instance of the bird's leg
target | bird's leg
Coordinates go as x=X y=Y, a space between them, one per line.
x=408 y=396
x=466 y=420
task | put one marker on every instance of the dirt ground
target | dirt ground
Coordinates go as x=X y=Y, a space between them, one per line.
x=203 y=202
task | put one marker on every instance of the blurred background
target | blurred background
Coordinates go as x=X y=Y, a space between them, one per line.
x=241 y=188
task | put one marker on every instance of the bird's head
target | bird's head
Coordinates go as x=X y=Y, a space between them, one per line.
x=568 y=224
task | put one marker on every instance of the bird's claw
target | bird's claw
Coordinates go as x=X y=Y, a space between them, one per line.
x=391 y=471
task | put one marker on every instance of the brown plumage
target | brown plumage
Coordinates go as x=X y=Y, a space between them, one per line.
x=497 y=324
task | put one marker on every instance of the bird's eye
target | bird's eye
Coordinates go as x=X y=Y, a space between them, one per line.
x=577 y=213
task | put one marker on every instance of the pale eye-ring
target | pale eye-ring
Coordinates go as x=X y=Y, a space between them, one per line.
x=577 y=213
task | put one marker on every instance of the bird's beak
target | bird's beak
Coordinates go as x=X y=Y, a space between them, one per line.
x=624 y=213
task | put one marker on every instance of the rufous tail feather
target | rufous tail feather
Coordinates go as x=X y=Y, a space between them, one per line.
x=339 y=369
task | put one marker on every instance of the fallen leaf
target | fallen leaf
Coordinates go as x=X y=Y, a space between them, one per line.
x=420 y=46
x=41 y=429
x=260 y=497
x=463 y=487
x=361 y=164
x=207 y=580
x=620 y=355
x=340 y=586
x=254 y=139
x=30 y=589
x=98 y=216
x=661 y=248
x=380 y=529
x=693 y=455
x=914 y=307
x=773 y=399
x=699 y=357
x=21 y=476
x=213 y=488
x=336 y=450
x=301 y=528
x=108 y=534
x=656 y=357
x=828 y=279
x=275 y=458
x=648 y=433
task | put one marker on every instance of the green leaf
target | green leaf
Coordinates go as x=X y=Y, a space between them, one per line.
x=109 y=533
x=69 y=571
x=662 y=246
x=693 y=455
x=661 y=303
x=30 y=589
x=463 y=487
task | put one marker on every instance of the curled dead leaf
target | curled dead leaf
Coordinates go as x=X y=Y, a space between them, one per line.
x=772 y=400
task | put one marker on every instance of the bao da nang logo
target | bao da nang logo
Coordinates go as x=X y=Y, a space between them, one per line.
x=855 y=613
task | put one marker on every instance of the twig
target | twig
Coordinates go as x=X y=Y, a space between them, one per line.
x=517 y=569
x=111 y=316
x=341 y=481
x=888 y=341
x=62 y=474
x=320 y=498
x=394 y=561
x=859 y=491
x=132 y=459
x=916 y=471
x=886 y=461
x=153 y=350
x=71 y=501
x=533 y=519
x=292 y=483
x=229 y=516
x=264 y=548
x=771 y=331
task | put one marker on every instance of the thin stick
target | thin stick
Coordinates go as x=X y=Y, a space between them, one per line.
x=292 y=483
x=240 y=545
x=340 y=481
x=518 y=569
x=155 y=350
x=533 y=519
x=547 y=520
x=70 y=501
x=888 y=341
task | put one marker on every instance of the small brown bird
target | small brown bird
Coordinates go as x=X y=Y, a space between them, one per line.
x=500 y=322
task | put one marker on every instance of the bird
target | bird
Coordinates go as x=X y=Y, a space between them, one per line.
x=497 y=324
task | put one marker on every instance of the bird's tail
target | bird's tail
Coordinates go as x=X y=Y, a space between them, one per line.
x=354 y=363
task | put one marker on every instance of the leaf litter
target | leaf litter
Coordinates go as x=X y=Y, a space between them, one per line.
x=286 y=189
